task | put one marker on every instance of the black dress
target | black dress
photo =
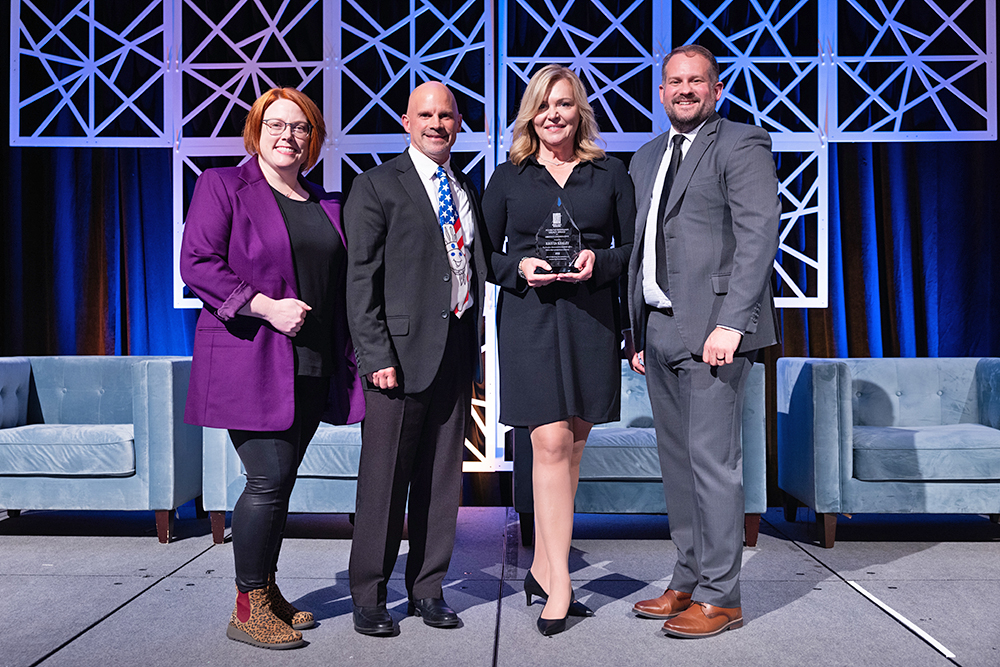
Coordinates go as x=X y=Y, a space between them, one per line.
x=559 y=345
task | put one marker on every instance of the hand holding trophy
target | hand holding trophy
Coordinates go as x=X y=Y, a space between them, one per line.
x=558 y=241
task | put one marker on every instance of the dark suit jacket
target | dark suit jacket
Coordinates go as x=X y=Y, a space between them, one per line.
x=398 y=275
x=721 y=231
x=236 y=245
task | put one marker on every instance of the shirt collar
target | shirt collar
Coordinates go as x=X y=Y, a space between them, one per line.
x=426 y=167
x=533 y=160
x=688 y=135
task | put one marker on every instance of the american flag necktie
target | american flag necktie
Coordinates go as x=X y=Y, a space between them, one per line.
x=454 y=243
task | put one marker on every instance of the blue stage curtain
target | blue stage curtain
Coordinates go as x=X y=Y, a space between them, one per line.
x=88 y=254
x=915 y=255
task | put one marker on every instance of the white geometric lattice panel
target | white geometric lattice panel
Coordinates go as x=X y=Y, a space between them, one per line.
x=234 y=51
x=610 y=50
x=382 y=51
x=768 y=55
x=922 y=70
x=803 y=250
x=89 y=76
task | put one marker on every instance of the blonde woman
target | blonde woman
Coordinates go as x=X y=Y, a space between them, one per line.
x=559 y=333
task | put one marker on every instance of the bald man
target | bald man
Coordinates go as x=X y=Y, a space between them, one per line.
x=415 y=281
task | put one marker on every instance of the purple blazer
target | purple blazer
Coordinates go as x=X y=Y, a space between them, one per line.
x=235 y=245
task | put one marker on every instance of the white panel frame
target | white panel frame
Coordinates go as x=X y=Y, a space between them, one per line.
x=88 y=73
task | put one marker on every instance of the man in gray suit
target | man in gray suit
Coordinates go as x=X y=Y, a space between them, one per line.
x=701 y=306
x=415 y=277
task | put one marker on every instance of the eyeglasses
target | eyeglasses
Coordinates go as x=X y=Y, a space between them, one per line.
x=277 y=127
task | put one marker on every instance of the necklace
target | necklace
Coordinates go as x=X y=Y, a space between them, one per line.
x=557 y=163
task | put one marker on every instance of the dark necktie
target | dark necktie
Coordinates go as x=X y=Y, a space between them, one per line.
x=668 y=181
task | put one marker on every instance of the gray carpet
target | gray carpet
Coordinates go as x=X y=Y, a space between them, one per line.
x=96 y=588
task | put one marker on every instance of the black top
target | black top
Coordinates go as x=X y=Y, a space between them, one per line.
x=317 y=253
x=559 y=345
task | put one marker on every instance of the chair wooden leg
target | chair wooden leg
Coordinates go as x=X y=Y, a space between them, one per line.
x=527 y=521
x=218 y=520
x=751 y=528
x=790 y=506
x=826 y=529
x=13 y=513
x=165 y=525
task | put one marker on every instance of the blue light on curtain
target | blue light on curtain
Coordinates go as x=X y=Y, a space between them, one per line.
x=836 y=287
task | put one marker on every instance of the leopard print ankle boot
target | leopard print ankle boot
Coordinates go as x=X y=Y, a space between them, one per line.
x=283 y=609
x=253 y=622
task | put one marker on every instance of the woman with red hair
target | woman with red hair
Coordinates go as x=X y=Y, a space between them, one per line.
x=264 y=249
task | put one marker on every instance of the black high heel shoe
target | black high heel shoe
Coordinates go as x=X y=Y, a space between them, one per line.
x=532 y=587
x=551 y=626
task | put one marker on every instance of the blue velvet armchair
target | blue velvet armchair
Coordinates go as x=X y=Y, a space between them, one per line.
x=620 y=468
x=327 y=480
x=97 y=433
x=888 y=436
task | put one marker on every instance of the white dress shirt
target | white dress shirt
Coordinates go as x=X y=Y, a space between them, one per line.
x=651 y=291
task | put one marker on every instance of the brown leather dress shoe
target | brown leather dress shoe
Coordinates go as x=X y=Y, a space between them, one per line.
x=667 y=605
x=704 y=620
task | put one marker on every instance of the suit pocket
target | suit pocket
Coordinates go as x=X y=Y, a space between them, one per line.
x=707 y=181
x=720 y=283
x=398 y=325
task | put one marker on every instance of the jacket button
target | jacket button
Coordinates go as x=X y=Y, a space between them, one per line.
x=444 y=314
x=447 y=277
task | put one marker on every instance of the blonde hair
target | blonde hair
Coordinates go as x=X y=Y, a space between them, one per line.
x=252 y=127
x=525 y=141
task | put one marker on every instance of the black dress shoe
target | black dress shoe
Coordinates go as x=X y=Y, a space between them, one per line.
x=435 y=612
x=551 y=626
x=532 y=587
x=374 y=621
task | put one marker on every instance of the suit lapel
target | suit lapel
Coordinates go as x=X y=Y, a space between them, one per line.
x=265 y=218
x=648 y=171
x=704 y=139
x=410 y=180
x=644 y=180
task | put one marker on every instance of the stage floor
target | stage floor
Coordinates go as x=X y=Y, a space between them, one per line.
x=96 y=588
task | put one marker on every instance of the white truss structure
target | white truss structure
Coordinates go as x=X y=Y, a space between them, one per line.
x=183 y=73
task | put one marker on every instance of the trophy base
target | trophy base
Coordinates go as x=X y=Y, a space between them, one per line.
x=564 y=269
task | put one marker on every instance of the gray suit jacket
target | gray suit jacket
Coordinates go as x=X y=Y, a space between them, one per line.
x=398 y=275
x=721 y=232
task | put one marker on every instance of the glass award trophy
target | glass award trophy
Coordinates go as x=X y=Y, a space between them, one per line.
x=558 y=240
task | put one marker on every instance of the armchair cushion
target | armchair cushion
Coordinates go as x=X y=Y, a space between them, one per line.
x=621 y=454
x=913 y=392
x=15 y=375
x=82 y=390
x=952 y=452
x=62 y=450
x=335 y=451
